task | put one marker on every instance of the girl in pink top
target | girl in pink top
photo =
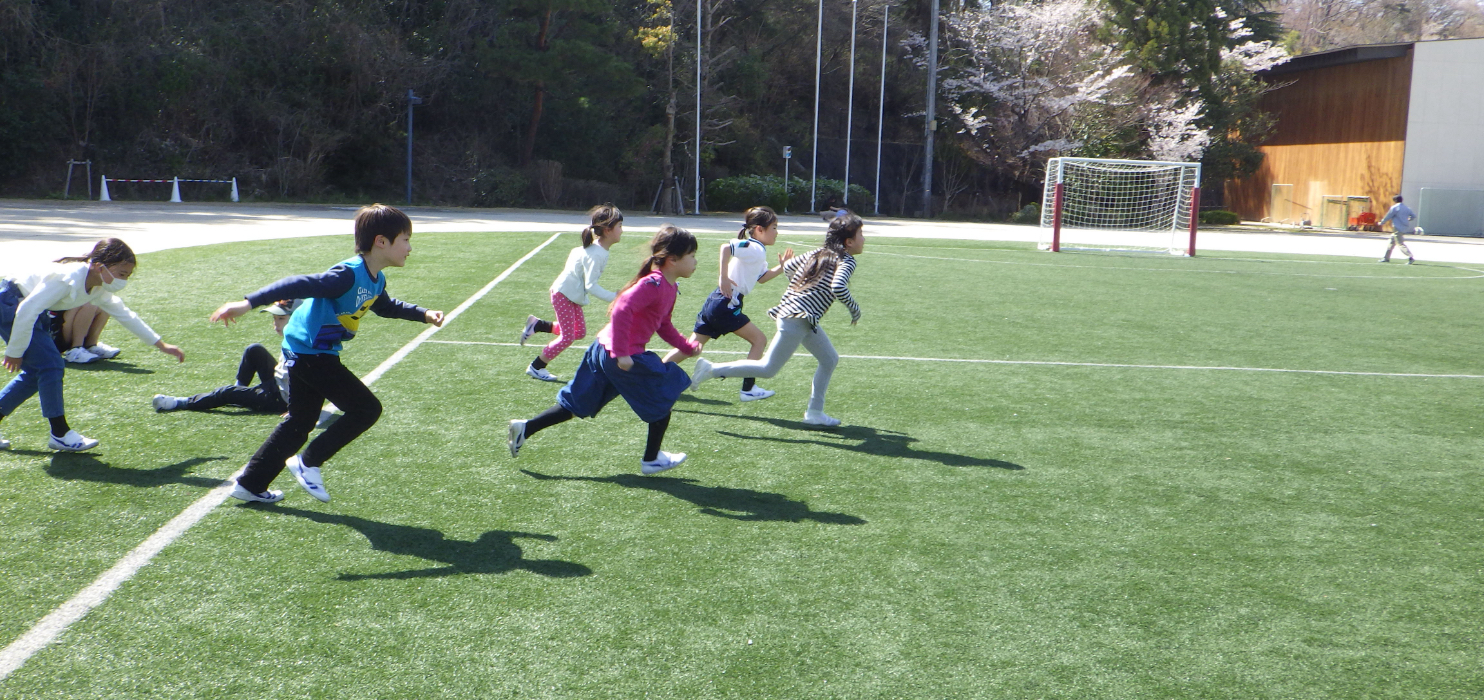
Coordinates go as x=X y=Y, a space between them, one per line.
x=619 y=365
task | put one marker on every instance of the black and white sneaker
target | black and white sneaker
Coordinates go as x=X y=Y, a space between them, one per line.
x=517 y=437
x=165 y=404
x=243 y=494
x=73 y=441
x=529 y=330
x=663 y=461
x=308 y=477
x=542 y=374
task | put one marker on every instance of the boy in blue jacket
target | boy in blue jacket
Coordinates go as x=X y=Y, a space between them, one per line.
x=335 y=302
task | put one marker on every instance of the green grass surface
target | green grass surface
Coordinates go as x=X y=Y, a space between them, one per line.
x=975 y=530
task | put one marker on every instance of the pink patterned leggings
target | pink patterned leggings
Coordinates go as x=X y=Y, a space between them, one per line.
x=569 y=326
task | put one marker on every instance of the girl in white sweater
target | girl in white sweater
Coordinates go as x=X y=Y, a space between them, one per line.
x=29 y=349
x=572 y=289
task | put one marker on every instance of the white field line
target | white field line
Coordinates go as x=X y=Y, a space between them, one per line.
x=57 y=621
x=1052 y=363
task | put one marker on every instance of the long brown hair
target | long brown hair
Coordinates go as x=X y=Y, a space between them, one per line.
x=670 y=242
x=822 y=261
x=604 y=218
x=109 y=251
x=757 y=216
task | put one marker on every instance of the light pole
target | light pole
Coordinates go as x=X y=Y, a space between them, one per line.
x=814 y=157
x=850 y=104
x=930 y=126
x=699 y=54
x=881 y=111
x=788 y=152
x=412 y=99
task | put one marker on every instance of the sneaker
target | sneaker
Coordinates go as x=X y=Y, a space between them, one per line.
x=542 y=374
x=665 y=460
x=819 y=418
x=529 y=330
x=1410 y=261
x=517 y=437
x=243 y=494
x=104 y=352
x=756 y=394
x=1384 y=260
x=701 y=373
x=163 y=403
x=308 y=477
x=4 y=444
x=79 y=356
x=73 y=441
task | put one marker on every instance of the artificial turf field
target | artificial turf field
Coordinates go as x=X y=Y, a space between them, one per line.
x=997 y=530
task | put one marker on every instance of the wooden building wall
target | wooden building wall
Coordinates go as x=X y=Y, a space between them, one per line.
x=1341 y=130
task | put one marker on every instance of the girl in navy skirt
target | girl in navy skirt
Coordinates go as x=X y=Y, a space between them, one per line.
x=744 y=265
x=618 y=365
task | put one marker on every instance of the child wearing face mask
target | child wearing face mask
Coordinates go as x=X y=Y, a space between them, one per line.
x=95 y=278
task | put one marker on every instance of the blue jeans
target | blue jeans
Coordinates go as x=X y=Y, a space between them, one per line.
x=41 y=365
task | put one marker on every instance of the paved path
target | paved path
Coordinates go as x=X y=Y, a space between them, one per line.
x=31 y=231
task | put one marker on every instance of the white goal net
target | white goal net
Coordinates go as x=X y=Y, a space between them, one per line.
x=1138 y=205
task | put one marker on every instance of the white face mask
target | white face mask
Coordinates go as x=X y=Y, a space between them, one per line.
x=116 y=285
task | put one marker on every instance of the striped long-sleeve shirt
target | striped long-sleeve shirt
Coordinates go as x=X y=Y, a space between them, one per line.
x=814 y=300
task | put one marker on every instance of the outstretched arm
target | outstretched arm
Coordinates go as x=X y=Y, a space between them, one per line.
x=777 y=270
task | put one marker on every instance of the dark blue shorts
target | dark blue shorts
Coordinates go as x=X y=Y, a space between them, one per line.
x=651 y=386
x=716 y=320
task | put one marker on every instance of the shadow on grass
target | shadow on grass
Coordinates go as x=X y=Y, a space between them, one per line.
x=692 y=398
x=109 y=366
x=720 y=501
x=495 y=552
x=865 y=439
x=74 y=466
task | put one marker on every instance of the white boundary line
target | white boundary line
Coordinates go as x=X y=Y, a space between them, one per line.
x=1052 y=363
x=57 y=621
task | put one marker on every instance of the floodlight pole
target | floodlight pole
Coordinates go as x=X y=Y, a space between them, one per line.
x=788 y=152
x=699 y=54
x=814 y=156
x=412 y=99
x=881 y=110
x=850 y=103
x=930 y=126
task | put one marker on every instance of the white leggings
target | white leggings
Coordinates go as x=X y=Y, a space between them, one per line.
x=791 y=332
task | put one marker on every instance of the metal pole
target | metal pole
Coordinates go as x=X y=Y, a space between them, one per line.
x=930 y=125
x=698 y=106
x=412 y=99
x=881 y=111
x=850 y=102
x=814 y=156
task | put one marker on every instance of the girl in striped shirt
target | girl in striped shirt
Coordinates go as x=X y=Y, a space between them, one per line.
x=815 y=281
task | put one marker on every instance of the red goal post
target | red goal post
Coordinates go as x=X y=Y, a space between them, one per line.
x=1109 y=204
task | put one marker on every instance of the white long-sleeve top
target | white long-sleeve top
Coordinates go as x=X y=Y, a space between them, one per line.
x=579 y=278
x=63 y=286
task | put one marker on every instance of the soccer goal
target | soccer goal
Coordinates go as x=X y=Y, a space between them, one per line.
x=1123 y=205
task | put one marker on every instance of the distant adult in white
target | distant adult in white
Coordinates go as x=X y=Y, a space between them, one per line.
x=1403 y=221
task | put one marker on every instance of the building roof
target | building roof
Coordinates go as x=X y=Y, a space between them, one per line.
x=1340 y=57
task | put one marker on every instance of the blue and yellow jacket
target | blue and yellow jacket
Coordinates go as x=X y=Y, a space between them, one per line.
x=334 y=302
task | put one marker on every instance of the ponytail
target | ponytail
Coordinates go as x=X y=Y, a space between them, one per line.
x=757 y=216
x=670 y=242
x=822 y=261
x=109 y=251
x=604 y=217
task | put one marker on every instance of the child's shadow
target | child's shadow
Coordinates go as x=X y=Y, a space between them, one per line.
x=861 y=438
x=109 y=366
x=720 y=501
x=495 y=552
x=74 y=466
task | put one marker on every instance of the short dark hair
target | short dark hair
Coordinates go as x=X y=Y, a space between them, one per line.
x=379 y=220
x=1397 y=198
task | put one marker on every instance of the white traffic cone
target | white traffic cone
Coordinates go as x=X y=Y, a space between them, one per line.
x=175 y=191
x=104 y=197
x=234 y=189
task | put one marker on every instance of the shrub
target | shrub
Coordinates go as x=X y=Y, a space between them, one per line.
x=501 y=187
x=1029 y=214
x=745 y=191
x=1220 y=217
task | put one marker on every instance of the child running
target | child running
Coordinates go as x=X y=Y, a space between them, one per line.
x=69 y=283
x=618 y=365
x=570 y=291
x=744 y=265
x=335 y=302
x=815 y=281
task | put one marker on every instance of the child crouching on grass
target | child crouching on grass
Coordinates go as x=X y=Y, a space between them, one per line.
x=334 y=303
x=618 y=365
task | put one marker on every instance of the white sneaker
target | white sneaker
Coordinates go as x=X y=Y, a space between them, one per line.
x=542 y=374
x=517 y=437
x=73 y=441
x=308 y=477
x=701 y=373
x=4 y=444
x=529 y=330
x=104 y=352
x=756 y=394
x=665 y=460
x=163 y=403
x=79 y=356
x=819 y=418
x=243 y=494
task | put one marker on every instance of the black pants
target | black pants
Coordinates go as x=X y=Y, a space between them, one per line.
x=258 y=362
x=312 y=380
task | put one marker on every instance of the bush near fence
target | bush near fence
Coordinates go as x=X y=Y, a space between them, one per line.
x=745 y=191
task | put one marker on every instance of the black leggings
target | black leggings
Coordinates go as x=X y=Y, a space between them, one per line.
x=312 y=380
x=557 y=414
x=258 y=362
